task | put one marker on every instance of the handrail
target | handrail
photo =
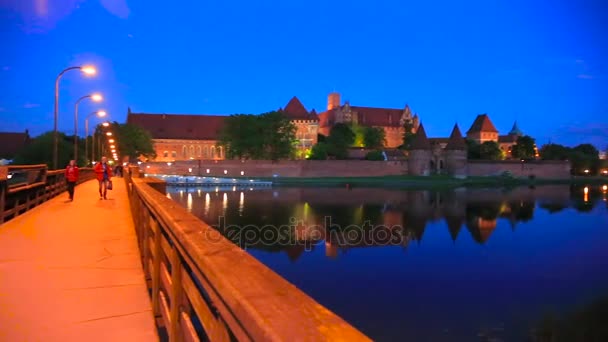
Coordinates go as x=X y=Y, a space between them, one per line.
x=193 y=271
x=23 y=187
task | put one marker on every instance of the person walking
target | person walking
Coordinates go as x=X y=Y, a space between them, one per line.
x=71 y=177
x=103 y=172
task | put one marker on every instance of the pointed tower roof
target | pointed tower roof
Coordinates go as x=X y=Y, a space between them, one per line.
x=515 y=130
x=482 y=123
x=295 y=109
x=421 y=142
x=456 y=141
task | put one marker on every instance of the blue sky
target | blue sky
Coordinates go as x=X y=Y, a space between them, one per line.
x=542 y=63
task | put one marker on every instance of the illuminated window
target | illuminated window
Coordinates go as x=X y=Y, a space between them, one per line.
x=198 y=151
x=206 y=152
x=173 y=154
x=191 y=150
x=184 y=151
x=212 y=152
x=166 y=154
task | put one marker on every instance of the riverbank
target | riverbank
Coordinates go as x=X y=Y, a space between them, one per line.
x=414 y=182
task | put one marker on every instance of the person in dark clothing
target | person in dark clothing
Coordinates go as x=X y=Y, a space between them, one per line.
x=71 y=177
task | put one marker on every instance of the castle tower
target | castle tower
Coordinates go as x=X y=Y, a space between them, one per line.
x=333 y=100
x=421 y=157
x=456 y=154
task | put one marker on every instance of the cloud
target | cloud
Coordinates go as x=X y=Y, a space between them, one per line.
x=584 y=76
x=6 y=68
x=130 y=35
x=30 y=105
x=117 y=7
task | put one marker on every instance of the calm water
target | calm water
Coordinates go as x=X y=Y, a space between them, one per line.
x=471 y=265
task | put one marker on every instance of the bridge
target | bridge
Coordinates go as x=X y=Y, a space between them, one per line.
x=135 y=267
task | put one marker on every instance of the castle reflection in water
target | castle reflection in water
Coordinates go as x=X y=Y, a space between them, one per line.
x=341 y=218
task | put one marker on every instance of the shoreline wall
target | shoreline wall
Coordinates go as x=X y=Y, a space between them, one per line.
x=346 y=168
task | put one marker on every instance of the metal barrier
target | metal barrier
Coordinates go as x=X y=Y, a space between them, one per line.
x=23 y=187
x=204 y=287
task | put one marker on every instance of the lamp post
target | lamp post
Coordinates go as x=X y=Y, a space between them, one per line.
x=100 y=114
x=94 y=97
x=88 y=70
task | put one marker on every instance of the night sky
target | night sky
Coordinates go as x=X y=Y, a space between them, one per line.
x=542 y=63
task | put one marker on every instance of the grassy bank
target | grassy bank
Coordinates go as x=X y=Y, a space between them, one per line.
x=412 y=182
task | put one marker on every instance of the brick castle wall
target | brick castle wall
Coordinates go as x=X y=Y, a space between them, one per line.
x=540 y=169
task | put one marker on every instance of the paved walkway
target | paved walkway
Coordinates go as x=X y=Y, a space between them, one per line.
x=70 y=271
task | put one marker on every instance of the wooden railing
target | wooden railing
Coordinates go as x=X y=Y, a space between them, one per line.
x=23 y=187
x=205 y=288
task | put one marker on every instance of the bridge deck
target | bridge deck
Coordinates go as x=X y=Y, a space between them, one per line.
x=71 y=271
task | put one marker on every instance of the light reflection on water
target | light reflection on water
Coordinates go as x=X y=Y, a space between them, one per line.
x=464 y=266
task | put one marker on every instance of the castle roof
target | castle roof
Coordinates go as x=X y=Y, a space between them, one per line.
x=421 y=142
x=482 y=123
x=515 y=130
x=295 y=110
x=12 y=142
x=179 y=126
x=456 y=141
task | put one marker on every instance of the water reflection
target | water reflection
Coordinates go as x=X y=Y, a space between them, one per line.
x=467 y=265
x=339 y=219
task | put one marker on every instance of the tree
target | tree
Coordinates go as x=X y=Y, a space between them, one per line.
x=408 y=135
x=584 y=157
x=340 y=138
x=40 y=151
x=473 y=149
x=490 y=150
x=242 y=137
x=319 y=151
x=279 y=135
x=266 y=136
x=133 y=141
x=524 y=148
x=554 y=152
x=374 y=137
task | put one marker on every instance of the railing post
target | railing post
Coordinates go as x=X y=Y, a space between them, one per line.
x=3 y=187
x=176 y=292
x=156 y=267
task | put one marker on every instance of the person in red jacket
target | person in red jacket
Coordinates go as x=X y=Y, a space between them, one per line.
x=104 y=174
x=71 y=177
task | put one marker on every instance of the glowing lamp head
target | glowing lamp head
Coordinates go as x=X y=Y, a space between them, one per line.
x=112 y=146
x=88 y=70
x=101 y=113
x=96 y=97
x=109 y=134
x=105 y=124
x=586 y=190
x=111 y=140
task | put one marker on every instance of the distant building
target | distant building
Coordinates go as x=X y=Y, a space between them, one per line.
x=12 y=142
x=391 y=120
x=483 y=130
x=182 y=137
x=187 y=137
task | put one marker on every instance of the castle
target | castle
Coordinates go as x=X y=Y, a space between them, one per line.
x=188 y=137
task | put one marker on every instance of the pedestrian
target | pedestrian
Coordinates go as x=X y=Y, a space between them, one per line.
x=104 y=175
x=71 y=177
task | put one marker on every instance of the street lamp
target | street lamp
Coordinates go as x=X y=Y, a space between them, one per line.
x=100 y=114
x=94 y=97
x=87 y=70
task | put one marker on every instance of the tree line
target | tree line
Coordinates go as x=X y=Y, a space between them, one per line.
x=131 y=141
